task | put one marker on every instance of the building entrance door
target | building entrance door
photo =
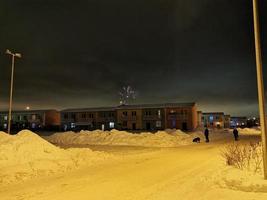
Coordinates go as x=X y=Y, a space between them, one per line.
x=173 y=123
x=134 y=126
x=148 y=126
x=184 y=126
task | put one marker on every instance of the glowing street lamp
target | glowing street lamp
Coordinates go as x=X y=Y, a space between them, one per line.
x=260 y=85
x=18 y=55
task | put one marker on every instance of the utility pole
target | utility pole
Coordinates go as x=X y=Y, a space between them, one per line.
x=18 y=55
x=260 y=85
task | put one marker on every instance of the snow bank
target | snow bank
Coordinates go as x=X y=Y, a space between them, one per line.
x=249 y=131
x=241 y=180
x=167 y=138
x=27 y=155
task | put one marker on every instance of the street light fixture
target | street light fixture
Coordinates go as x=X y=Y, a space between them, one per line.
x=261 y=96
x=18 y=55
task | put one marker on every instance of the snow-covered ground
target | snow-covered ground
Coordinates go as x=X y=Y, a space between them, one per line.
x=250 y=131
x=184 y=171
x=168 y=138
x=26 y=155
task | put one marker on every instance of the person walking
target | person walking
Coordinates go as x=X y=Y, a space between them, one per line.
x=206 y=132
x=235 y=132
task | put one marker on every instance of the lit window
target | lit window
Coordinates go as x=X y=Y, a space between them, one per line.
x=33 y=125
x=5 y=117
x=211 y=118
x=158 y=124
x=72 y=125
x=111 y=124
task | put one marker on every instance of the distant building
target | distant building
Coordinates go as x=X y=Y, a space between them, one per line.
x=132 y=117
x=215 y=120
x=31 y=119
x=238 y=122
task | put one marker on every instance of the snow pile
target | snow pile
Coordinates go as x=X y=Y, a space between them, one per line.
x=249 y=131
x=26 y=155
x=167 y=138
x=242 y=180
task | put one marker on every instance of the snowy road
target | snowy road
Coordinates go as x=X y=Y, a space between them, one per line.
x=141 y=174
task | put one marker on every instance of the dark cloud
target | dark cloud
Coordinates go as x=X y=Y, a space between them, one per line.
x=80 y=53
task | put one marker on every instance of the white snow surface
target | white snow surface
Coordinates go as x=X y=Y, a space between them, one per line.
x=189 y=172
x=250 y=131
x=26 y=155
x=167 y=138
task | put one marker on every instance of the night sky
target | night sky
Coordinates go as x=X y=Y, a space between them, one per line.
x=81 y=53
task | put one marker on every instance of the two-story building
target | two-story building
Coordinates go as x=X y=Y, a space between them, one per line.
x=132 y=117
x=31 y=119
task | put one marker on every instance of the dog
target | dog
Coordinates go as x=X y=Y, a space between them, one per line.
x=197 y=140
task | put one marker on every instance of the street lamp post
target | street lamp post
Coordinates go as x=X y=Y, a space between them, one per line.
x=260 y=85
x=18 y=55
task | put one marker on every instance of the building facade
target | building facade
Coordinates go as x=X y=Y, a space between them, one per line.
x=238 y=122
x=149 y=117
x=31 y=119
x=88 y=118
x=213 y=119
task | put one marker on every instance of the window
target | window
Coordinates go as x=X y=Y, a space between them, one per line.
x=111 y=124
x=124 y=123
x=148 y=113
x=158 y=124
x=65 y=116
x=159 y=113
x=72 y=125
x=134 y=113
x=83 y=115
x=91 y=115
x=73 y=116
x=25 y=117
x=33 y=117
x=211 y=118
x=124 y=113
x=33 y=125
x=5 y=117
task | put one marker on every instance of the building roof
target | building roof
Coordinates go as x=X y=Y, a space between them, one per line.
x=164 y=105
x=28 y=111
x=213 y=113
x=89 y=109
x=139 y=106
